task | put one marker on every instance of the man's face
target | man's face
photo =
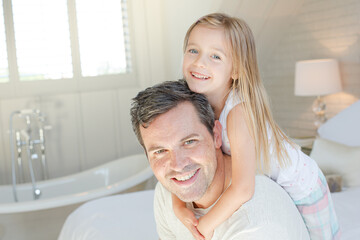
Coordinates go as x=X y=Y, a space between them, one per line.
x=182 y=152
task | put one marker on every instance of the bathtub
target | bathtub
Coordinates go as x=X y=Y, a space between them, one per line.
x=110 y=178
x=42 y=219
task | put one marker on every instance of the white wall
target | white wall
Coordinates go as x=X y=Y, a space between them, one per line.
x=320 y=29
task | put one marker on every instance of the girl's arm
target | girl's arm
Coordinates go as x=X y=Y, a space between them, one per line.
x=186 y=216
x=243 y=165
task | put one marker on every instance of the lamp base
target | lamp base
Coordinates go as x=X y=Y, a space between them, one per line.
x=318 y=108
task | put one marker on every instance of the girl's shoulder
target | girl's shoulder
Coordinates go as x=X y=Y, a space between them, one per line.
x=234 y=98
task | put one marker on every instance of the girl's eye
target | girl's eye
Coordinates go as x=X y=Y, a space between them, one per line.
x=214 y=56
x=193 y=51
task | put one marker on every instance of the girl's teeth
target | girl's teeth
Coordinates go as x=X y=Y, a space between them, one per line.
x=200 y=76
x=186 y=177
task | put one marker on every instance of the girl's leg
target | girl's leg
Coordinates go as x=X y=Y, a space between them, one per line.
x=318 y=212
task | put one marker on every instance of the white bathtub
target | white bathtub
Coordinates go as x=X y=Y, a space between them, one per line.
x=110 y=178
x=42 y=219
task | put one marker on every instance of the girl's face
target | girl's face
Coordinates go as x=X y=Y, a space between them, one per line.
x=207 y=65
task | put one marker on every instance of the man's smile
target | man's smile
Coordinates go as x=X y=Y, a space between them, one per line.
x=186 y=179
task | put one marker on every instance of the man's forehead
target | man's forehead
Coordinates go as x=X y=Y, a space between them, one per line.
x=178 y=122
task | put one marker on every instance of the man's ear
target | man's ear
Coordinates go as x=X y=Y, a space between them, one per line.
x=217 y=130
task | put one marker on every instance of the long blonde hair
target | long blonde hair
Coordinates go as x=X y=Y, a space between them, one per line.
x=250 y=87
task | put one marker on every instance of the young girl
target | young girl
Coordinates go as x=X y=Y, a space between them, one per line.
x=220 y=62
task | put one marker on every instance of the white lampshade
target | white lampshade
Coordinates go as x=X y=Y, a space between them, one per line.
x=317 y=77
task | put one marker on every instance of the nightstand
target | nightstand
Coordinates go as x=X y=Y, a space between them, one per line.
x=305 y=143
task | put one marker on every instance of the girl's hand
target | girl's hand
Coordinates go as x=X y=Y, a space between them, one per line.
x=188 y=218
x=205 y=230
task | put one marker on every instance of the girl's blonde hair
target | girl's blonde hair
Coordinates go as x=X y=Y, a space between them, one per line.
x=250 y=87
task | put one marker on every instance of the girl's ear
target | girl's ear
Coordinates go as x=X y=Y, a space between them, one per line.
x=235 y=75
x=217 y=134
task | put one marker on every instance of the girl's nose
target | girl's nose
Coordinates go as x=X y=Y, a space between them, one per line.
x=200 y=61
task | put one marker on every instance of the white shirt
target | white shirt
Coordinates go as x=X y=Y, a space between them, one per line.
x=270 y=214
x=298 y=179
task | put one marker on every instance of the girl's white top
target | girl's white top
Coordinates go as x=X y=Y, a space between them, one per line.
x=298 y=178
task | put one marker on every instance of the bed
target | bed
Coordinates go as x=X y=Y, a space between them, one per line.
x=337 y=152
x=130 y=216
x=117 y=217
x=127 y=216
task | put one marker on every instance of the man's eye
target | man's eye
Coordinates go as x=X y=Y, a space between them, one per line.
x=193 y=51
x=159 y=151
x=191 y=141
x=214 y=56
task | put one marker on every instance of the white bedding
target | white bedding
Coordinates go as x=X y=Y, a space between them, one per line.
x=126 y=216
x=347 y=207
x=130 y=217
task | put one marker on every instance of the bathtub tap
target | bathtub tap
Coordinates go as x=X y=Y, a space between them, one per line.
x=25 y=138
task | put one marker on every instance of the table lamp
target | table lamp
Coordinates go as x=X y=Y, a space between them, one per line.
x=317 y=77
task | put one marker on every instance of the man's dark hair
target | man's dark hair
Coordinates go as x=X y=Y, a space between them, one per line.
x=160 y=98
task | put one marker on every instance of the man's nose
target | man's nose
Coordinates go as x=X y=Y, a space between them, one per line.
x=177 y=160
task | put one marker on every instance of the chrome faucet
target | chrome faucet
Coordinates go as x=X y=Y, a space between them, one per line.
x=24 y=138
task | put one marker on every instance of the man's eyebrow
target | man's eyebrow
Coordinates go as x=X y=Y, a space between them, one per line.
x=189 y=136
x=153 y=148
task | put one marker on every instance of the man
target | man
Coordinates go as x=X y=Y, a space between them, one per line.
x=182 y=141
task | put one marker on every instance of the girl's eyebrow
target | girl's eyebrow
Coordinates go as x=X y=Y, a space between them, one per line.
x=214 y=48
x=220 y=50
x=191 y=44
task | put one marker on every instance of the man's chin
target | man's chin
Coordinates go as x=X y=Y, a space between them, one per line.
x=189 y=197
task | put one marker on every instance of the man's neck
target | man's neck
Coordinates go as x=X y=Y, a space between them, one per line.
x=220 y=182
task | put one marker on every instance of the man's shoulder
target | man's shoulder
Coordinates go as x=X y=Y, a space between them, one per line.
x=270 y=213
x=167 y=225
x=270 y=198
x=161 y=192
x=162 y=200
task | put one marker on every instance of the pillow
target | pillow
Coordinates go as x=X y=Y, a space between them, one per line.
x=336 y=158
x=343 y=128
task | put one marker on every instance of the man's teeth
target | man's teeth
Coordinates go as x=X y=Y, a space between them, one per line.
x=187 y=177
x=199 y=76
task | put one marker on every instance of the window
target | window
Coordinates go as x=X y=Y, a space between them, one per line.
x=65 y=40
x=42 y=39
x=4 y=71
x=101 y=37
